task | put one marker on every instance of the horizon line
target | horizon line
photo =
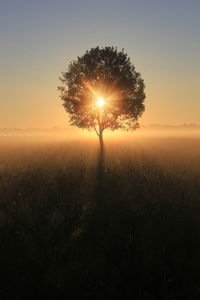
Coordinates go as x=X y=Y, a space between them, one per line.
x=194 y=125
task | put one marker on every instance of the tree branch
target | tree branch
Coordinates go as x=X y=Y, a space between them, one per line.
x=96 y=130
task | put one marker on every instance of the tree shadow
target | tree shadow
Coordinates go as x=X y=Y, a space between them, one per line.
x=99 y=177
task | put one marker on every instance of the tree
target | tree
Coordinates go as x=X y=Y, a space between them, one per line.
x=101 y=90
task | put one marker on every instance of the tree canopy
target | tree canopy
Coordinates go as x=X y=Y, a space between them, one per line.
x=101 y=90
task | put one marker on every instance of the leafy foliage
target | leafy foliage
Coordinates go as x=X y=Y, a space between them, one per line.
x=109 y=74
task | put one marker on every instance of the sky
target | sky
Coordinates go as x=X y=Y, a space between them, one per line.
x=39 y=38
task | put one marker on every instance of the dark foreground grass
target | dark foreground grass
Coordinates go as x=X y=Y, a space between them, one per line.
x=71 y=228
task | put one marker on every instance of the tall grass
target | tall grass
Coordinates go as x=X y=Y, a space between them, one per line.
x=131 y=231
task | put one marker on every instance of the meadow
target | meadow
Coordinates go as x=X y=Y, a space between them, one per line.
x=74 y=226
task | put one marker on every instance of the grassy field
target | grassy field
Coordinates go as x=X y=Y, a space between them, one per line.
x=74 y=227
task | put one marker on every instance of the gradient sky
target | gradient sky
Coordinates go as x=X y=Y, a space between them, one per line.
x=39 y=38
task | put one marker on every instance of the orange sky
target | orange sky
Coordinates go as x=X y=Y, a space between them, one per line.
x=40 y=38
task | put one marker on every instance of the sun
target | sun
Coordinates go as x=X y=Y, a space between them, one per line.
x=101 y=102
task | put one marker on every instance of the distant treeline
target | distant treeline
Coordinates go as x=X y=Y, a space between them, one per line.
x=57 y=129
x=171 y=127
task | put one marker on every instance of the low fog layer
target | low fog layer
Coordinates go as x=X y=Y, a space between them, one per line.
x=71 y=133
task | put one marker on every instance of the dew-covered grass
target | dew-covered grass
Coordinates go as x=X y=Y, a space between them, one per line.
x=130 y=231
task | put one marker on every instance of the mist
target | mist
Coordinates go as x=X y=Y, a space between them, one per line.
x=121 y=216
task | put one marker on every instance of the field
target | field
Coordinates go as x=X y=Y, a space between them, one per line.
x=75 y=226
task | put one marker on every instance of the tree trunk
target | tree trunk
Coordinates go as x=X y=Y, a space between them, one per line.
x=100 y=166
x=101 y=140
